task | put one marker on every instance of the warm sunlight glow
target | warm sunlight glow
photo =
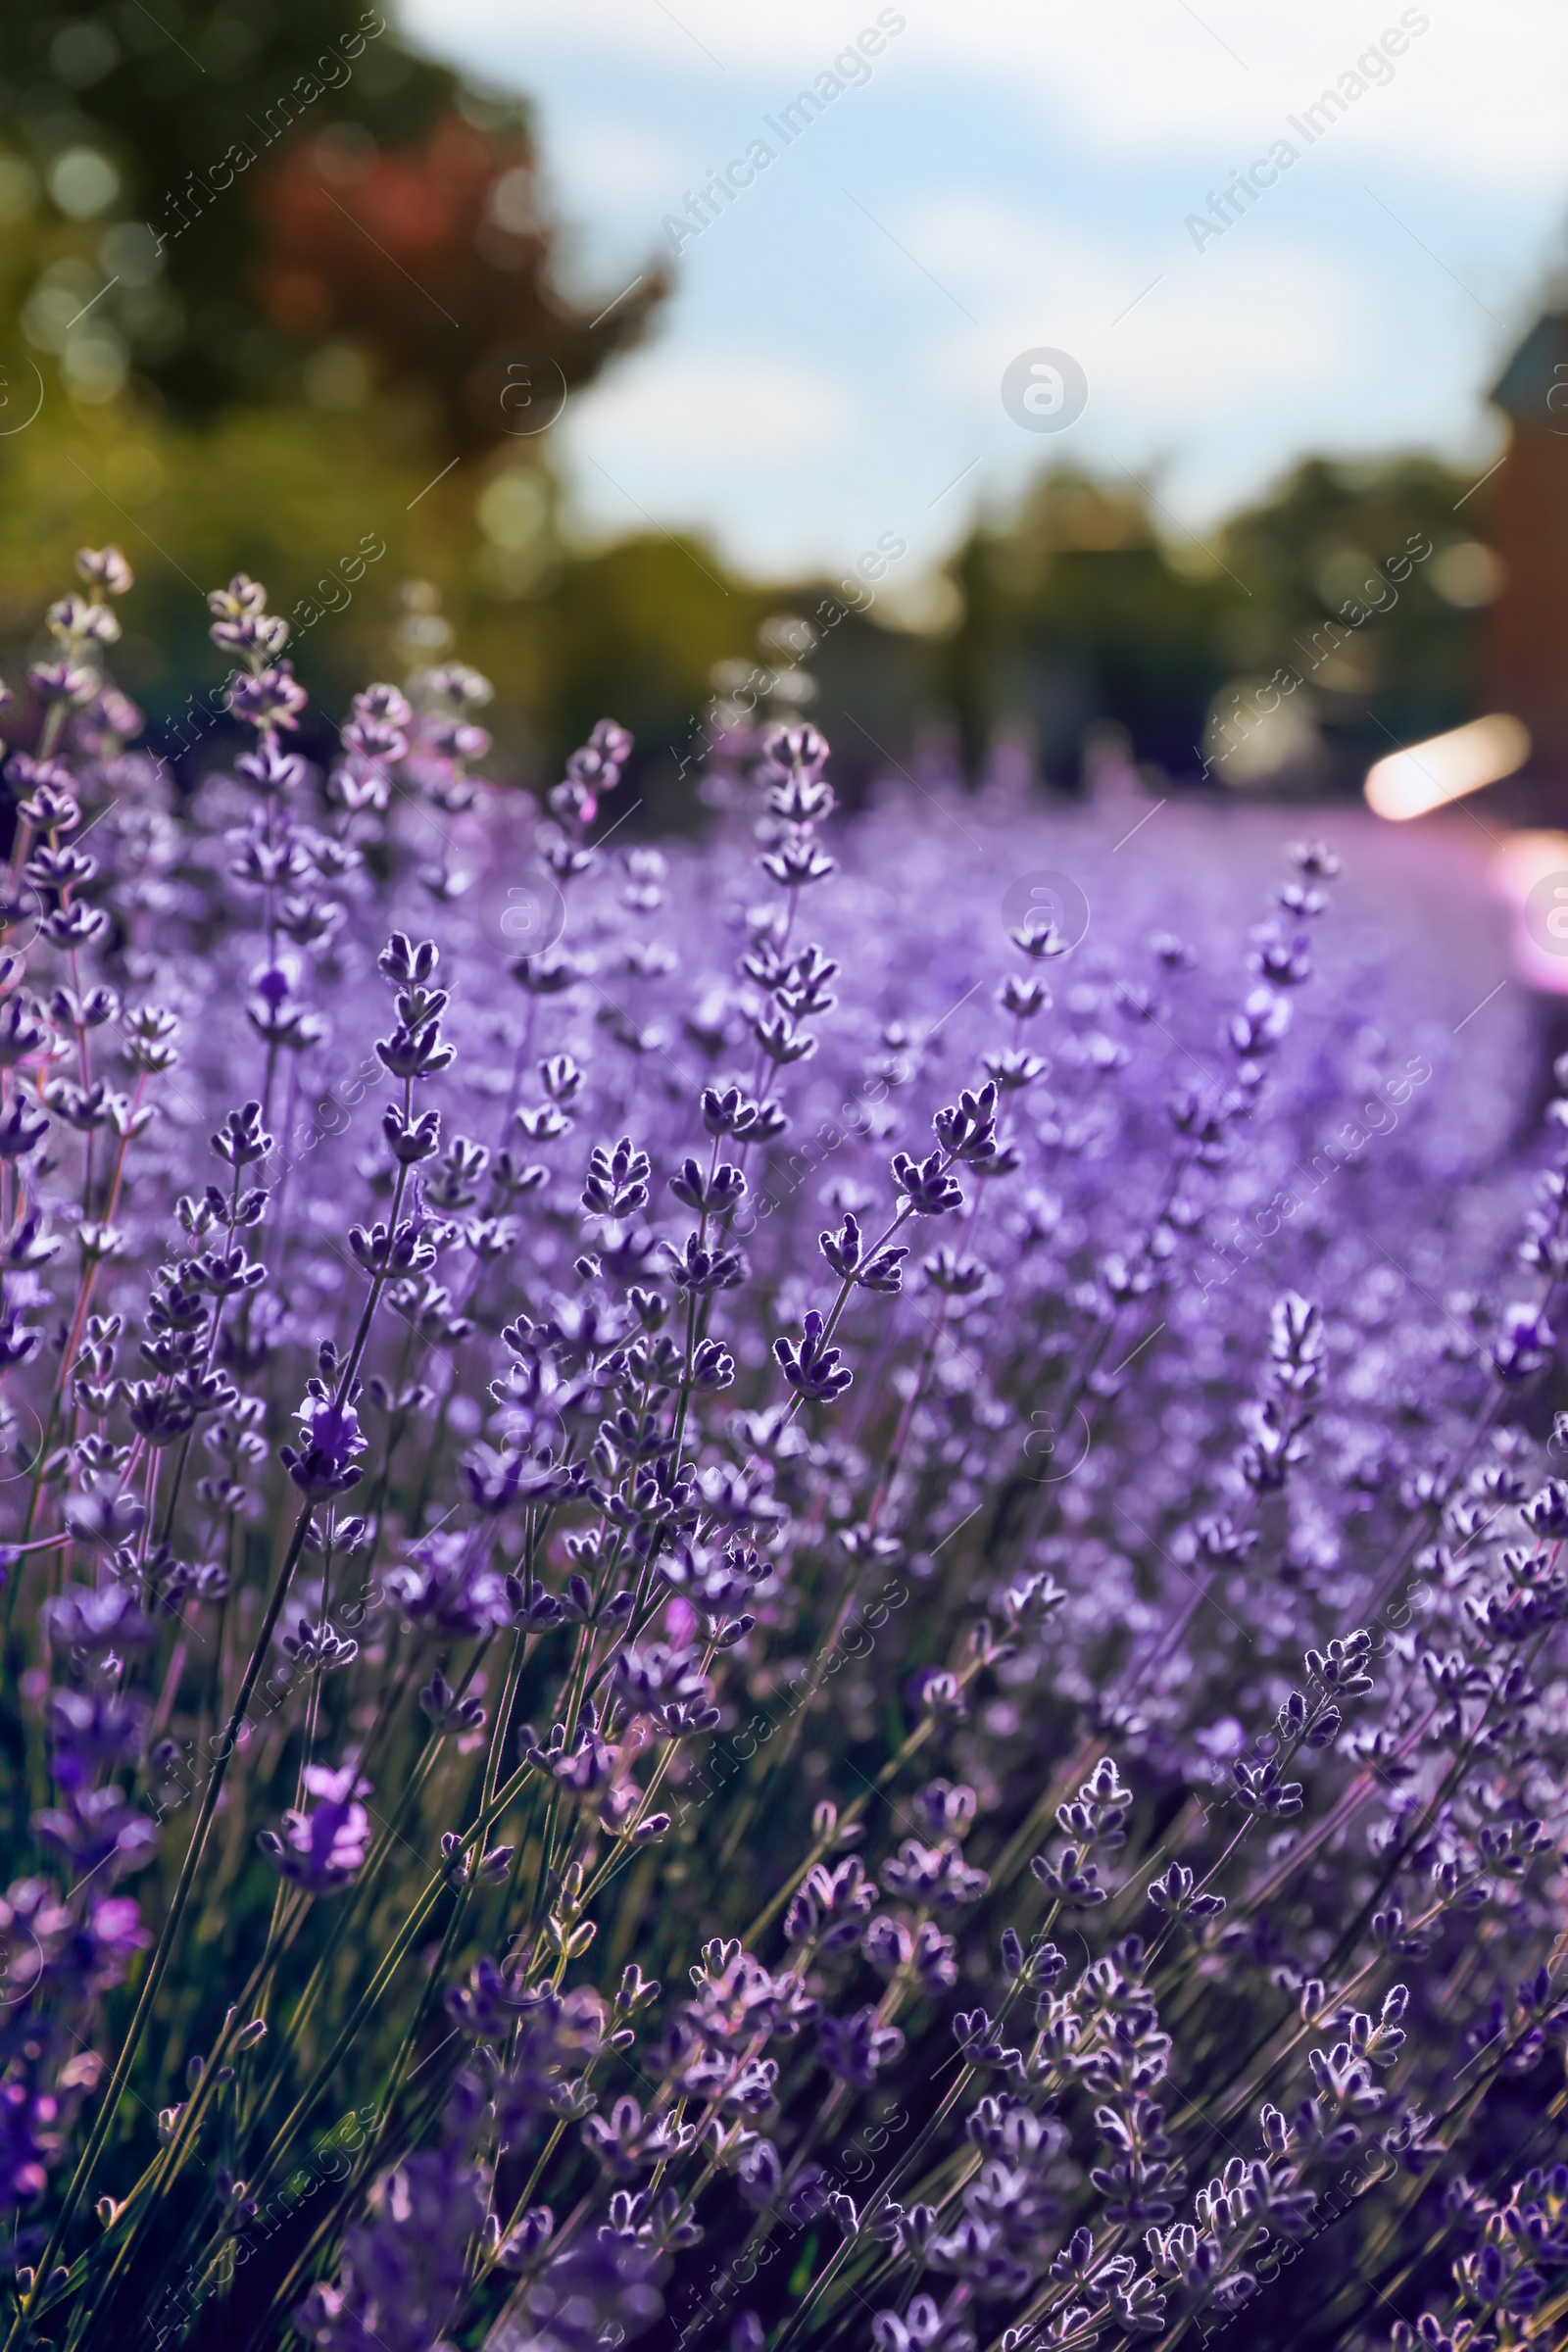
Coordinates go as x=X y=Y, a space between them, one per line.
x=1446 y=767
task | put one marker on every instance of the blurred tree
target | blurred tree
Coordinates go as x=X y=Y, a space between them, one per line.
x=1075 y=611
x=1364 y=582
x=1333 y=614
x=637 y=628
x=270 y=286
x=275 y=195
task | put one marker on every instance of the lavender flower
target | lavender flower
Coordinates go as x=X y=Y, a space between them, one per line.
x=1077 y=1694
x=324 y=1845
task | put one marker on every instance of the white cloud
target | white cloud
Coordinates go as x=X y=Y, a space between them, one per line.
x=599 y=162
x=689 y=412
x=1269 y=316
x=1479 y=93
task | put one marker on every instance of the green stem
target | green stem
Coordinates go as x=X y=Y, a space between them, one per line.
x=21 y=2327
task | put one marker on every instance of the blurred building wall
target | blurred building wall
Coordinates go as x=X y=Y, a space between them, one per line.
x=1525 y=638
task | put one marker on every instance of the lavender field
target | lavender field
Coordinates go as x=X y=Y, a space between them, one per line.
x=794 y=1590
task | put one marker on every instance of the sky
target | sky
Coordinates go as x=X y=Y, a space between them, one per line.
x=1004 y=178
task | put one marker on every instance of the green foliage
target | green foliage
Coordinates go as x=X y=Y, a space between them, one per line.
x=1077 y=611
x=160 y=99
x=181 y=501
x=1314 y=552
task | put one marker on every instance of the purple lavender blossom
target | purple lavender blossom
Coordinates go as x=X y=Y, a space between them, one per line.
x=323 y=1845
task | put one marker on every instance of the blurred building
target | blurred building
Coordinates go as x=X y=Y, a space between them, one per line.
x=1525 y=638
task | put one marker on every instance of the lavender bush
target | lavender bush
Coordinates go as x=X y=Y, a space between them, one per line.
x=798 y=1590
